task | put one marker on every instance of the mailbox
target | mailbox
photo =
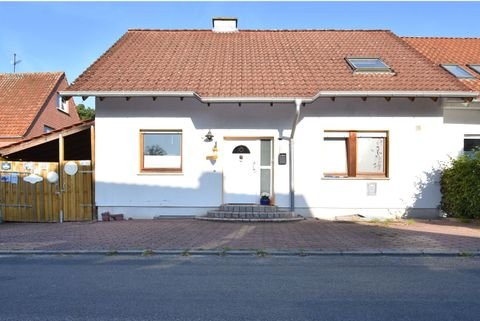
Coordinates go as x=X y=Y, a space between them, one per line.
x=282 y=159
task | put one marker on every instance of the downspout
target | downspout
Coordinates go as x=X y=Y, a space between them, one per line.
x=298 y=104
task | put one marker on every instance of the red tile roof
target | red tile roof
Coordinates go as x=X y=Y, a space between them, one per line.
x=263 y=63
x=22 y=96
x=461 y=51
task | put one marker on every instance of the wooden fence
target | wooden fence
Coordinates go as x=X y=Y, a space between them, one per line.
x=26 y=194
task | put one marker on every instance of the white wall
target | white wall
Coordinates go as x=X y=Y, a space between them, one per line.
x=121 y=185
x=419 y=138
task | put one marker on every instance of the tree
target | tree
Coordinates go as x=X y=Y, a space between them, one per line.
x=155 y=150
x=85 y=112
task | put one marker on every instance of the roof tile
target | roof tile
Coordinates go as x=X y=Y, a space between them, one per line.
x=22 y=95
x=259 y=63
x=461 y=51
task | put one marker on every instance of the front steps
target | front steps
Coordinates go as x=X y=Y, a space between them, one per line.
x=250 y=213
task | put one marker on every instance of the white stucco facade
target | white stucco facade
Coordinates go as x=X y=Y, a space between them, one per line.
x=421 y=134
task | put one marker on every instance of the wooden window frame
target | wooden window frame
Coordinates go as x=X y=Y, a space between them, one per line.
x=160 y=169
x=351 y=141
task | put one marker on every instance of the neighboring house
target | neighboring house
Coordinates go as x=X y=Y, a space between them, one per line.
x=327 y=122
x=461 y=57
x=30 y=105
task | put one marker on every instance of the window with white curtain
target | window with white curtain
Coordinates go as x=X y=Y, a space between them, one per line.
x=355 y=153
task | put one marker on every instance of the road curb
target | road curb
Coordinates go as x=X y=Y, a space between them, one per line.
x=248 y=252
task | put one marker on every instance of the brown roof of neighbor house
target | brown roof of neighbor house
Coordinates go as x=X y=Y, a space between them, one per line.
x=22 y=95
x=265 y=63
x=461 y=51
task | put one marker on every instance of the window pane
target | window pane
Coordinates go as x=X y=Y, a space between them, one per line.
x=475 y=67
x=370 y=155
x=335 y=156
x=368 y=64
x=470 y=145
x=265 y=152
x=265 y=179
x=162 y=150
x=458 y=71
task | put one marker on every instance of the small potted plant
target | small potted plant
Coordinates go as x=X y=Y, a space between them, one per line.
x=265 y=199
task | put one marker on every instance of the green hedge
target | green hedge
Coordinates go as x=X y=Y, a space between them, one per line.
x=460 y=187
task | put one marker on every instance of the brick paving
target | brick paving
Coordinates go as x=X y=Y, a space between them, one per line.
x=176 y=234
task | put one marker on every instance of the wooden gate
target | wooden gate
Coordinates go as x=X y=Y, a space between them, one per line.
x=77 y=193
x=27 y=195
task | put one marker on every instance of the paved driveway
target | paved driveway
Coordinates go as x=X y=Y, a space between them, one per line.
x=441 y=235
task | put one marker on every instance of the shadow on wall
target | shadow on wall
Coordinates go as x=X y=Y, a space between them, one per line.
x=155 y=198
x=427 y=187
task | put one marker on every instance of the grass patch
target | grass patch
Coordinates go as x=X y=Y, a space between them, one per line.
x=410 y=221
x=385 y=222
x=223 y=251
x=261 y=253
x=148 y=252
x=301 y=252
x=465 y=254
x=111 y=253
x=465 y=220
x=186 y=252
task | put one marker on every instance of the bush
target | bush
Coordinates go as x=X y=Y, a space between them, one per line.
x=460 y=187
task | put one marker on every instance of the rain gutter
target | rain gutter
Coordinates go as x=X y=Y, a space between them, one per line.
x=298 y=104
x=408 y=94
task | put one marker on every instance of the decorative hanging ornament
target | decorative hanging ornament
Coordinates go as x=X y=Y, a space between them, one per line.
x=32 y=178
x=70 y=168
x=52 y=177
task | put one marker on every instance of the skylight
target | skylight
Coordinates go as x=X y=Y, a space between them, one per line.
x=365 y=64
x=475 y=67
x=458 y=71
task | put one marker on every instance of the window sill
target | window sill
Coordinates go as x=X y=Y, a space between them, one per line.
x=333 y=178
x=160 y=173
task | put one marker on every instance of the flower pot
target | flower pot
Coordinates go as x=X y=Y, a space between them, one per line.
x=264 y=201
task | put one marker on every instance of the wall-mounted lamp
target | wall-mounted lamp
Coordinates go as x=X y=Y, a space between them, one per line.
x=213 y=157
x=209 y=136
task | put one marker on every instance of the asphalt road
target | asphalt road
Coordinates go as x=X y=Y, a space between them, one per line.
x=239 y=288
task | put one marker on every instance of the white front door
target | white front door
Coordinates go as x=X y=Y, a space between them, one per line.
x=241 y=171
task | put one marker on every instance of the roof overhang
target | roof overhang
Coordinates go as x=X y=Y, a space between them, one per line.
x=45 y=138
x=328 y=94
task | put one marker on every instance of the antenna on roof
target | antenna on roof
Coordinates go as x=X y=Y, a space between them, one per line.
x=15 y=62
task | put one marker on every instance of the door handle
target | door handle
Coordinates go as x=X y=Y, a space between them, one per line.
x=254 y=167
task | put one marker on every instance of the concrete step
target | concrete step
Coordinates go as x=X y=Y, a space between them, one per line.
x=247 y=208
x=251 y=220
x=232 y=214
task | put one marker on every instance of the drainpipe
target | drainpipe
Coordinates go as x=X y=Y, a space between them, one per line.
x=298 y=104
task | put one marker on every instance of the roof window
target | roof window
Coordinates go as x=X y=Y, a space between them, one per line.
x=457 y=71
x=367 y=64
x=475 y=67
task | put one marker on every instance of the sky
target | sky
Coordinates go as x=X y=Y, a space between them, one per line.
x=70 y=36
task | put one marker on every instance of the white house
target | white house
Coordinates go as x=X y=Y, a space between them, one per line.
x=327 y=122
